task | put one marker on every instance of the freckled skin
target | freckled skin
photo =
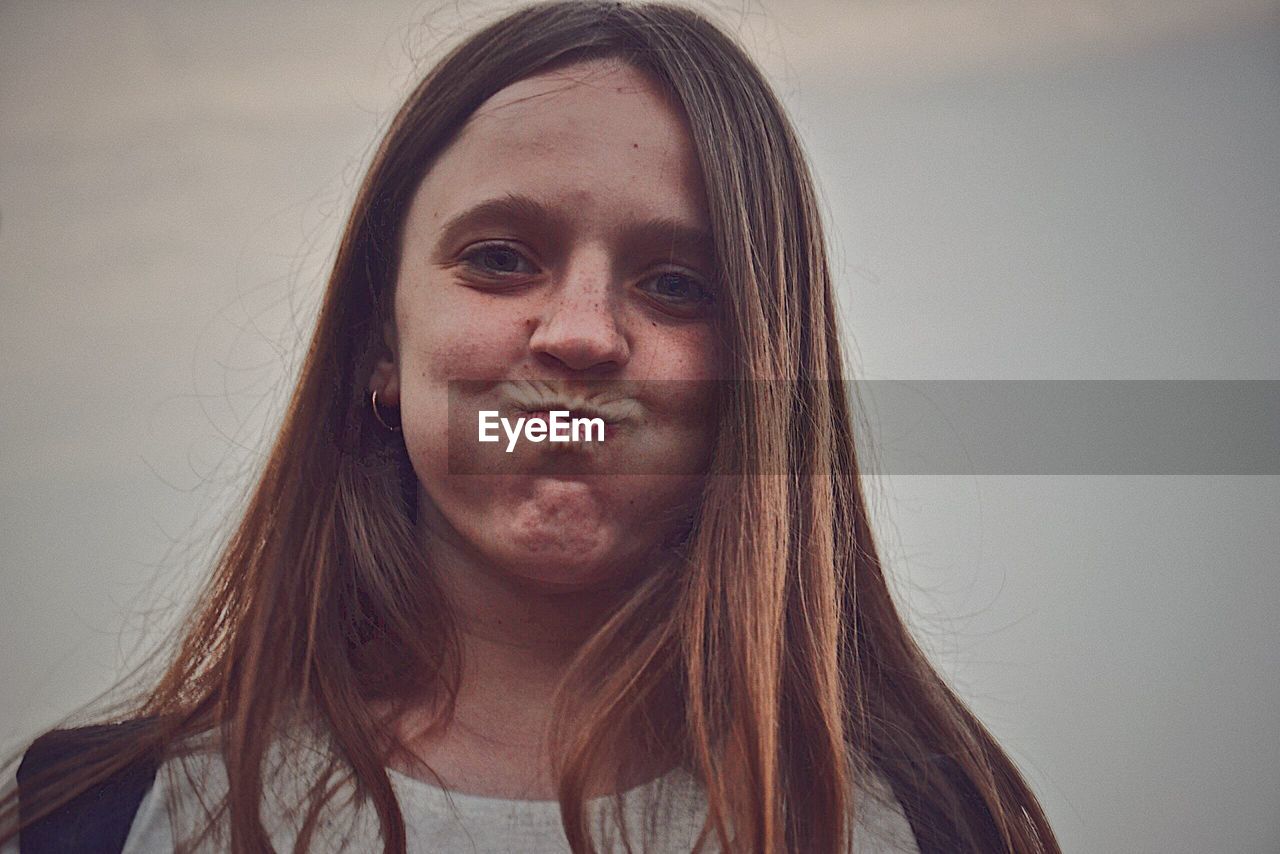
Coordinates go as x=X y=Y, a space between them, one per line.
x=601 y=157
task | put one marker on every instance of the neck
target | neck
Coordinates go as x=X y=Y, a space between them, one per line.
x=517 y=642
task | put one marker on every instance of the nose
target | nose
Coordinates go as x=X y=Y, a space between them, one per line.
x=580 y=328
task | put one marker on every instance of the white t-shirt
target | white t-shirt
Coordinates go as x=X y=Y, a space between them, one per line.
x=663 y=816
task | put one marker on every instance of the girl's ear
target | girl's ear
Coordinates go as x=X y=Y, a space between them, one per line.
x=385 y=379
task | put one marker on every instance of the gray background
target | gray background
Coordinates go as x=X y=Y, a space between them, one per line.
x=1021 y=190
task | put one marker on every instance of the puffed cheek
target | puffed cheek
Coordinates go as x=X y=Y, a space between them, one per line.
x=690 y=352
x=472 y=351
x=428 y=448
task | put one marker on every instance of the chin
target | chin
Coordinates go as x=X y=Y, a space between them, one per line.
x=558 y=560
x=562 y=579
x=551 y=534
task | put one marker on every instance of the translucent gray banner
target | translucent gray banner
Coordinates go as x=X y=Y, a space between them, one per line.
x=1087 y=427
x=929 y=427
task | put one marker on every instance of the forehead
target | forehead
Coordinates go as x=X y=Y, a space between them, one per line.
x=598 y=138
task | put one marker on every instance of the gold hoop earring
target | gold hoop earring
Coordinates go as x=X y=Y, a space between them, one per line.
x=378 y=415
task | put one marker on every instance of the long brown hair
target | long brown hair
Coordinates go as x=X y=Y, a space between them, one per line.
x=794 y=671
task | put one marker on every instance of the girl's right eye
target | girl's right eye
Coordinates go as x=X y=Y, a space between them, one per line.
x=498 y=259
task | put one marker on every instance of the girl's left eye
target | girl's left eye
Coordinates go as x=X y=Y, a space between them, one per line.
x=498 y=259
x=678 y=289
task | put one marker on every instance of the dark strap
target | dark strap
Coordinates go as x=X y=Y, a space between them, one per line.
x=936 y=831
x=98 y=819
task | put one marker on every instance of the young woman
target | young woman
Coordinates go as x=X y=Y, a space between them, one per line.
x=676 y=637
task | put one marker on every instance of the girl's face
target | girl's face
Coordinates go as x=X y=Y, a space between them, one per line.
x=558 y=255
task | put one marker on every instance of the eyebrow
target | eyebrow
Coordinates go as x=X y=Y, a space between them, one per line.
x=527 y=212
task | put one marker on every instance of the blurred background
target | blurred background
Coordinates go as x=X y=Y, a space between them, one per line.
x=1050 y=189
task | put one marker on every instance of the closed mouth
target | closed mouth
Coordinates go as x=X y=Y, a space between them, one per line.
x=531 y=398
x=575 y=411
x=610 y=427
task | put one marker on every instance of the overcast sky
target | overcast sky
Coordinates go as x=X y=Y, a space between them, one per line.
x=1021 y=190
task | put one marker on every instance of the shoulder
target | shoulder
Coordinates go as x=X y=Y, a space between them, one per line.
x=98 y=818
x=187 y=808
x=879 y=823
